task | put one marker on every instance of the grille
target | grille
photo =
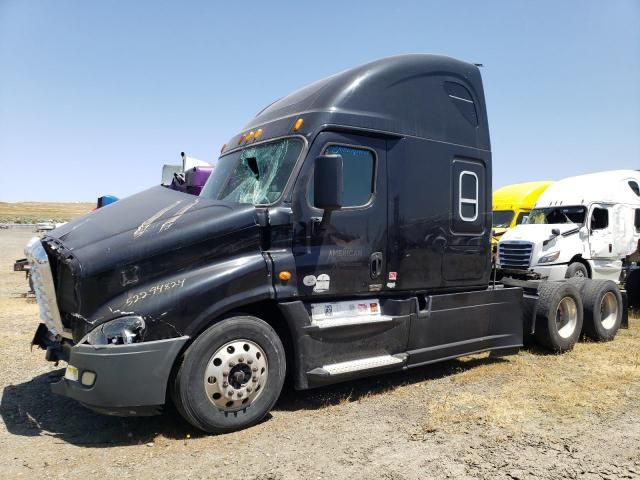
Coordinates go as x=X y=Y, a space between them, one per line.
x=515 y=254
x=43 y=287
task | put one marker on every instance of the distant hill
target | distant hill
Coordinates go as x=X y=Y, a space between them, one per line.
x=34 y=212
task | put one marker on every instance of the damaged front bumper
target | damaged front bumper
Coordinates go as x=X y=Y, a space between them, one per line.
x=119 y=379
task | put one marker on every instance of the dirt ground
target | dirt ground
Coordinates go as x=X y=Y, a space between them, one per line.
x=33 y=212
x=532 y=415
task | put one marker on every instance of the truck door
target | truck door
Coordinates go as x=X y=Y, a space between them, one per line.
x=600 y=231
x=348 y=257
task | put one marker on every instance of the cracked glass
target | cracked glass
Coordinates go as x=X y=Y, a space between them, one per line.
x=256 y=174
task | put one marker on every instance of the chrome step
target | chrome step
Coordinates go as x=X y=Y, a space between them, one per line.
x=361 y=364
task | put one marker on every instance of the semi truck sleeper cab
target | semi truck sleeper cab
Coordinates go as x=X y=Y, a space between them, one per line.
x=345 y=232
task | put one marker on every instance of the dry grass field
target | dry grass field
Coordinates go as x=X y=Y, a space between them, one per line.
x=33 y=212
x=533 y=415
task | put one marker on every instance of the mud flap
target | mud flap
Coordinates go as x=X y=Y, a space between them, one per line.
x=625 y=310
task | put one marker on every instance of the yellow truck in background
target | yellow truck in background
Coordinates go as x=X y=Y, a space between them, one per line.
x=512 y=204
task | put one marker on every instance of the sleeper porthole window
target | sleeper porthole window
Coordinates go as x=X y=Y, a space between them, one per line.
x=468 y=200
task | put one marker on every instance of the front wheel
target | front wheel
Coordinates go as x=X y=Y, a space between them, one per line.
x=231 y=375
x=576 y=269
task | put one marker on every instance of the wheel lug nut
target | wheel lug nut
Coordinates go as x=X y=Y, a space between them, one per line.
x=239 y=394
x=225 y=373
x=225 y=385
x=249 y=389
x=241 y=360
x=255 y=379
x=255 y=369
x=249 y=361
x=230 y=393
x=231 y=363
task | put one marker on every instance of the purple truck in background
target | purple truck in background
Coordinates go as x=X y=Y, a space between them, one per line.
x=189 y=176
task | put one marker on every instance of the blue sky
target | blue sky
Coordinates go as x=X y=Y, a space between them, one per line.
x=96 y=96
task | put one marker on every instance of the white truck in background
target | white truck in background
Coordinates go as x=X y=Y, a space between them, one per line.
x=583 y=226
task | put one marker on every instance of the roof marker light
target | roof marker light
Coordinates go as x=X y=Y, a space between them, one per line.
x=250 y=136
x=298 y=125
x=258 y=133
x=241 y=139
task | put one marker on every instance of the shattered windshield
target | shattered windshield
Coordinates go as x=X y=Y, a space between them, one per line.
x=255 y=174
x=557 y=215
x=502 y=218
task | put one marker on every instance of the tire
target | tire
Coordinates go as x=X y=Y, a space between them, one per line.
x=602 y=302
x=633 y=288
x=577 y=269
x=559 y=316
x=231 y=375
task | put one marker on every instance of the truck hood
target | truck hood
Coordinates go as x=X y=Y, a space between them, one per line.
x=144 y=225
x=535 y=233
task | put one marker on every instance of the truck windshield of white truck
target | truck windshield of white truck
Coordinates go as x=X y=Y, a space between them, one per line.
x=557 y=215
x=256 y=174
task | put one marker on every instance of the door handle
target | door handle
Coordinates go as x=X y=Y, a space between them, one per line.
x=375 y=265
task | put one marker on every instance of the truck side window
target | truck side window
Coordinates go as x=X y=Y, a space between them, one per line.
x=634 y=186
x=599 y=218
x=358 y=170
x=468 y=200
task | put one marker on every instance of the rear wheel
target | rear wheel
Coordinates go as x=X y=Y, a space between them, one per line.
x=231 y=375
x=577 y=269
x=602 y=309
x=559 y=316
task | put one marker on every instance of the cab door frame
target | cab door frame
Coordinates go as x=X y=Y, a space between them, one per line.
x=336 y=263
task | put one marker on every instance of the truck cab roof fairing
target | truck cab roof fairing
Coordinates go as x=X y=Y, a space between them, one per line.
x=426 y=96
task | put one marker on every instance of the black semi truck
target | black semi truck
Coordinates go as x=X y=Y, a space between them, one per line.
x=345 y=232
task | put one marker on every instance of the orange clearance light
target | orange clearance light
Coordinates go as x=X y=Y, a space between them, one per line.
x=241 y=139
x=284 y=276
x=250 y=136
x=298 y=125
x=258 y=133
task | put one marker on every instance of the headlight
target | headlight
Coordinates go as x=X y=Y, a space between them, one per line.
x=121 y=331
x=550 y=257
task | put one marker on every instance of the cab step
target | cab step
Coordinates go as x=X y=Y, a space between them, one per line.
x=360 y=365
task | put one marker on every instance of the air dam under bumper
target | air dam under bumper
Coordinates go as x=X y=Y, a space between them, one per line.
x=130 y=379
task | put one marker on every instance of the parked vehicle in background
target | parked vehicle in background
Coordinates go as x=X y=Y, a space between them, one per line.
x=344 y=232
x=583 y=226
x=512 y=204
x=189 y=177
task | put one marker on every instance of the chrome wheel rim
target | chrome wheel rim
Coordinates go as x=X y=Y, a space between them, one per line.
x=235 y=375
x=566 y=317
x=608 y=310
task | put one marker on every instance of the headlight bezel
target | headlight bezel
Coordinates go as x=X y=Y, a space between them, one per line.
x=125 y=330
x=549 y=257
